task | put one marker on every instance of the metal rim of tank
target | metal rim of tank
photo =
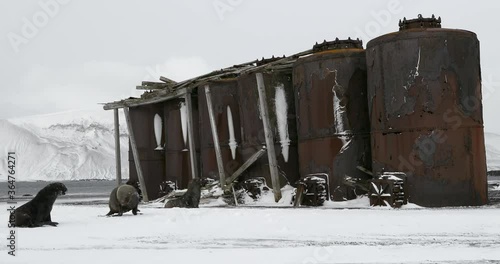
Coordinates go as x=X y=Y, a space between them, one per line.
x=264 y=61
x=419 y=23
x=350 y=48
x=423 y=32
x=338 y=44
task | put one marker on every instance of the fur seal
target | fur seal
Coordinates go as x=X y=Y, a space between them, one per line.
x=191 y=199
x=36 y=212
x=123 y=199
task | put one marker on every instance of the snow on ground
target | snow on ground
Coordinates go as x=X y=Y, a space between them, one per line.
x=260 y=235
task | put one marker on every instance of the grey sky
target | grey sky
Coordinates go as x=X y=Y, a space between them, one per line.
x=90 y=51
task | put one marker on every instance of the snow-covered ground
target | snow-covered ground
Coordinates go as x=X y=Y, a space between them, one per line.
x=260 y=235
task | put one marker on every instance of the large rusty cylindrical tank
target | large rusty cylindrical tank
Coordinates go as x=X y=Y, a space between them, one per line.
x=424 y=95
x=332 y=115
x=281 y=105
x=225 y=103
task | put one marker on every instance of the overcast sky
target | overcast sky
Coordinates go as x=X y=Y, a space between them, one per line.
x=57 y=55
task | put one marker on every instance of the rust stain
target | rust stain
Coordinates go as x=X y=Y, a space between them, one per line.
x=332 y=114
x=224 y=93
x=252 y=129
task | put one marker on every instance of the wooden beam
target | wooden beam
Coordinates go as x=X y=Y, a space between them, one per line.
x=135 y=153
x=246 y=165
x=147 y=85
x=168 y=81
x=117 y=149
x=215 y=136
x=163 y=96
x=147 y=88
x=190 y=127
x=271 y=154
x=299 y=195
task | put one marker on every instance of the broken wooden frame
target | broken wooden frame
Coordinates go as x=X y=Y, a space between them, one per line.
x=169 y=89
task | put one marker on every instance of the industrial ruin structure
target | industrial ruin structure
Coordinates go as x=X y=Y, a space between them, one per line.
x=401 y=120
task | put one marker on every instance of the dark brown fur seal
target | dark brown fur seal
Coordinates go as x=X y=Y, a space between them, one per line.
x=123 y=199
x=36 y=212
x=191 y=199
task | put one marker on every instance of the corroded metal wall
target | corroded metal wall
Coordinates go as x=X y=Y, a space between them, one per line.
x=176 y=151
x=332 y=116
x=253 y=131
x=224 y=93
x=424 y=92
x=152 y=161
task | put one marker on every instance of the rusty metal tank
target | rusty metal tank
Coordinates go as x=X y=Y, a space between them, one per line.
x=152 y=161
x=332 y=115
x=225 y=100
x=281 y=105
x=424 y=94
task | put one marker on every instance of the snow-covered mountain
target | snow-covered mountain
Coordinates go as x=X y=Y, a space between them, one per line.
x=79 y=144
x=70 y=145
x=492 y=142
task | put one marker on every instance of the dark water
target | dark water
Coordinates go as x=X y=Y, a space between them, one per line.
x=79 y=192
x=97 y=192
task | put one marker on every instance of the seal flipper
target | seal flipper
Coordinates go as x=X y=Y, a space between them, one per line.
x=50 y=223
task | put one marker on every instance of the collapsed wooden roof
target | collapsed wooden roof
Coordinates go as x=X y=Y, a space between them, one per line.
x=168 y=89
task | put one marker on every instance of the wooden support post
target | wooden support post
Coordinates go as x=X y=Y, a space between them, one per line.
x=117 y=149
x=135 y=153
x=271 y=154
x=299 y=195
x=190 y=127
x=215 y=136
x=246 y=165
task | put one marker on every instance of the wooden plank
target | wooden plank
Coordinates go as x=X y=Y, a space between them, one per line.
x=147 y=88
x=299 y=195
x=135 y=153
x=117 y=148
x=147 y=85
x=215 y=136
x=164 y=96
x=190 y=127
x=271 y=154
x=168 y=81
x=246 y=165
